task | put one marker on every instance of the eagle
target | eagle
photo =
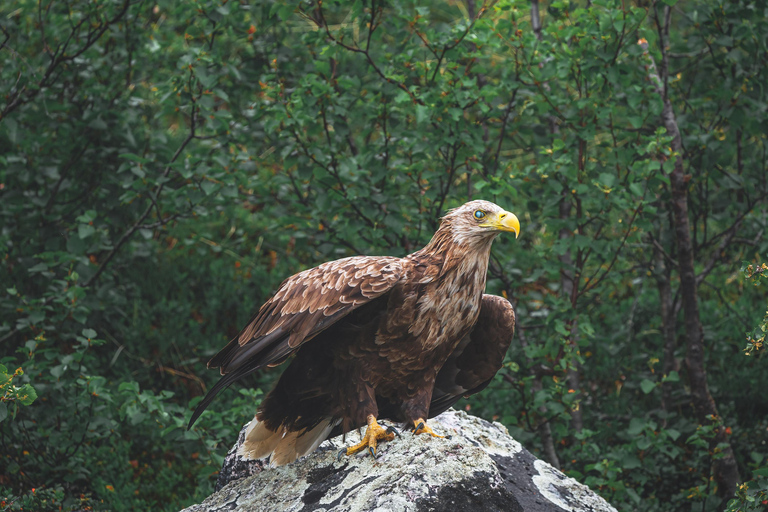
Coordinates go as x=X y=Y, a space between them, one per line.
x=374 y=338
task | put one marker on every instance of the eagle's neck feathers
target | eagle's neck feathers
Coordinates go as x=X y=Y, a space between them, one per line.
x=457 y=264
x=455 y=247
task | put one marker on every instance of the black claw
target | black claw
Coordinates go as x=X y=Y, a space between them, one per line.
x=373 y=452
x=419 y=426
x=393 y=430
x=341 y=454
x=448 y=437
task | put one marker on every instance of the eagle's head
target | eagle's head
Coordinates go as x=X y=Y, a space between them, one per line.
x=479 y=221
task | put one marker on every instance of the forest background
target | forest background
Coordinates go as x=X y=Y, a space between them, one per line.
x=164 y=165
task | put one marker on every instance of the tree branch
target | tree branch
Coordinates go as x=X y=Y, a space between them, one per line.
x=138 y=224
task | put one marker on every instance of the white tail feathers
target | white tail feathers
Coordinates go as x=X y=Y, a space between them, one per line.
x=259 y=441
x=282 y=445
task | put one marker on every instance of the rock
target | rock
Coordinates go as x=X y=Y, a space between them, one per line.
x=480 y=468
x=235 y=467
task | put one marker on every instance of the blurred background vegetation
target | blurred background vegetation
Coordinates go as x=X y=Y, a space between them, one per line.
x=164 y=165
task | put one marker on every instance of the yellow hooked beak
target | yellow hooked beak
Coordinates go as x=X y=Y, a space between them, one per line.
x=503 y=221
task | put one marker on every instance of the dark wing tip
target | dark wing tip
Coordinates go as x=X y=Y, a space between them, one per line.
x=223 y=384
x=223 y=355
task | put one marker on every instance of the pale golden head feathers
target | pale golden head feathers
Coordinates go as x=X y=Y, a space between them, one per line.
x=479 y=220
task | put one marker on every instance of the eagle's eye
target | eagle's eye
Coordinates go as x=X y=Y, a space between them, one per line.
x=479 y=214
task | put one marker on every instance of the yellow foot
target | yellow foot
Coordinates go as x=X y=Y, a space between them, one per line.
x=373 y=433
x=420 y=427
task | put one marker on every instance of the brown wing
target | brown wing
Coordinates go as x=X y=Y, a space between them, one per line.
x=303 y=306
x=478 y=356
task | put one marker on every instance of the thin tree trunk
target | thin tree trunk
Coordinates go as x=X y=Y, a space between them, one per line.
x=725 y=470
x=547 y=441
x=669 y=336
x=567 y=286
x=545 y=430
x=566 y=275
x=471 y=9
x=536 y=19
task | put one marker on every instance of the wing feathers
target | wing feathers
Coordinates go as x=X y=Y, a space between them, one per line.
x=309 y=302
x=303 y=306
x=223 y=384
x=478 y=357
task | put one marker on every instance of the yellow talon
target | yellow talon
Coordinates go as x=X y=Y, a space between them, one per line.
x=420 y=427
x=373 y=433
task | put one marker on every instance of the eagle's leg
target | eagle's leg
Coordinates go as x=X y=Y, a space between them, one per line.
x=420 y=427
x=373 y=434
x=416 y=409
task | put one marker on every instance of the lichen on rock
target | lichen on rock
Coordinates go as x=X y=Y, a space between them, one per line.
x=480 y=468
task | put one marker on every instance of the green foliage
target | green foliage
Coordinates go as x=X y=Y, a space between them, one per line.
x=44 y=500
x=757 y=273
x=163 y=166
x=11 y=395
x=751 y=496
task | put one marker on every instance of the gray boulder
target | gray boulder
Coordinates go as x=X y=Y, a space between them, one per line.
x=480 y=468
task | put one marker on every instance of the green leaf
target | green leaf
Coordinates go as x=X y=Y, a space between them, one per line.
x=230 y=191
x=76 y=245
x=422 y=114
x=607 y=179
x=637 y=189
x=135 y=158
x=37 y=316
x=636 y=121
x=3 y=411
x=40 y=267
x=208 y=187
x=87 y=217
x=85 y=230
x=27 y=394
x=644 y=443
x=647 y=386
x=283 y=11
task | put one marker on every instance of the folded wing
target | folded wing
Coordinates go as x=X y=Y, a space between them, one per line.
x=303 y=306
x=478 y=356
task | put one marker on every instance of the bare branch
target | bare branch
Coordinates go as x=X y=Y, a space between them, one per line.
x=717 y=254
x=140 y=221
x=367 y=55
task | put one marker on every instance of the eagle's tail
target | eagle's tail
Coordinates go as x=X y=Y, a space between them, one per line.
x=281 y=445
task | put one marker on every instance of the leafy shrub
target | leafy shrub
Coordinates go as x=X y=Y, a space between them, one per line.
x=163 y=166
